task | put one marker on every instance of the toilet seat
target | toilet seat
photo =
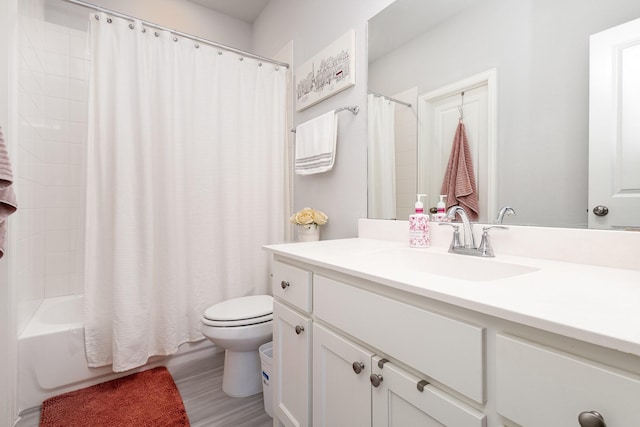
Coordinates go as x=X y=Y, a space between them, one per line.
x=242 y=311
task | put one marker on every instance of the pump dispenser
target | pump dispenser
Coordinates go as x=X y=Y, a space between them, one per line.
x=441 y=213
x=419 y=236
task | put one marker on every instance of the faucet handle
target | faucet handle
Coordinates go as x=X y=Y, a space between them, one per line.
x=485 y=248
x=455 y=241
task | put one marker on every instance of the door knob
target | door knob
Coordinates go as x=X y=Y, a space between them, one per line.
x=591 y=419
x=600 y=210
x=299 y=329
x=357 y=367
x=376 y=380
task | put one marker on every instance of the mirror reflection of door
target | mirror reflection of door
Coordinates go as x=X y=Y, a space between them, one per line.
x=614 y=127
x=438 y=116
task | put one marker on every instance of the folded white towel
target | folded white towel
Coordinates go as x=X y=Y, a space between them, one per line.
x=316 y=144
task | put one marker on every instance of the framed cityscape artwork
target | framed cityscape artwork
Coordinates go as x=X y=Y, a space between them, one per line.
x=330 y=71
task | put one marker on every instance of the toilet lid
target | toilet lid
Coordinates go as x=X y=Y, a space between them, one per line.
x=244 y=308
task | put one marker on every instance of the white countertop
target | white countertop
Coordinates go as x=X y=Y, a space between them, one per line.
x=600 y=305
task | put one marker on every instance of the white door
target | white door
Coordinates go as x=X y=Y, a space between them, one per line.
x=292 y=367
x=341 y=387
x=403 y=400
x=614 y=128
x=439 y=116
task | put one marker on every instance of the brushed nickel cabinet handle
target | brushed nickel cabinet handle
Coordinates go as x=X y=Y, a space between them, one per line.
x=591 y=419
x=357 y=367
x=376 y=380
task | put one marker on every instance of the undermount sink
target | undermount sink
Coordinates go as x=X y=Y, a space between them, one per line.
x=446 y=265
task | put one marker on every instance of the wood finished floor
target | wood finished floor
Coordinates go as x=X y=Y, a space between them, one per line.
x=207 y=406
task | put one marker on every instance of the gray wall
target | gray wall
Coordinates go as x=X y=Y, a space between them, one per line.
x=342 y=192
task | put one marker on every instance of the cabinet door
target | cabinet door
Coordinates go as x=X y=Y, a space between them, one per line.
x=291 y=367
x=539 y=385
x=341 y=387
x=402 y=400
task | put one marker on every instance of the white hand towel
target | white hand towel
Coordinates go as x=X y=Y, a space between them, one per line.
x=316 y=144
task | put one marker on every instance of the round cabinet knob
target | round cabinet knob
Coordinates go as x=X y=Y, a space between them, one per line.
x=591 y=419
x=299 y=329
x=376 y=380
x=357 y=367
x=600 y=210
x=284 y=284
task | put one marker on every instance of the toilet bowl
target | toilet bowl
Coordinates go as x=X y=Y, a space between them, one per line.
x=240 y=326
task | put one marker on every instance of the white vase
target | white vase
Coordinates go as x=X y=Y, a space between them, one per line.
x=308 y=233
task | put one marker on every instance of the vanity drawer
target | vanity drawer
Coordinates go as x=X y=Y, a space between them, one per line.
x=292 y=284
x=538 y=385
x=447 y=350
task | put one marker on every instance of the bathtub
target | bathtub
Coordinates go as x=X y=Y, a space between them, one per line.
x=51 y=357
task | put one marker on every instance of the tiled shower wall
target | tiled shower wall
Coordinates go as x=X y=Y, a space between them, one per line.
x=52 y=113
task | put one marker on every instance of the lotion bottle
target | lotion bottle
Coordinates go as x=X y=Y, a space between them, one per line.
x=419 y=236
x=441 y=213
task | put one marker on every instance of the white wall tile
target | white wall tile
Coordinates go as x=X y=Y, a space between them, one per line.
x=56 y=86
x=57 y=42
x=78 y=90
x=56 y=64
x=58 y=218
x=56 y=152
x=56 y=108
x=50 y=157
x=78 y=111
x=78 y=68
x=58 y=263
x=56 y=130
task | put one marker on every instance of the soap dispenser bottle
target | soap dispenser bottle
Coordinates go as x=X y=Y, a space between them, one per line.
x=441 y=212
x=419 y=236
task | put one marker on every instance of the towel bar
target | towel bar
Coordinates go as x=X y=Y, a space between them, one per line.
x=353 y=108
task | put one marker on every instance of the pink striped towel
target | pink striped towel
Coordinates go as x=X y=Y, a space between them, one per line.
x=459 y=182
x=8 y=204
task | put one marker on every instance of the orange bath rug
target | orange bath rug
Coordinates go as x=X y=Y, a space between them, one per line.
x=148 y=398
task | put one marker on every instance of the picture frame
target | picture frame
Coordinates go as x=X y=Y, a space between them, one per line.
x=330 y=71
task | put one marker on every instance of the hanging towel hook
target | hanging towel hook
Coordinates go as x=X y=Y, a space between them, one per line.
x=461 y=107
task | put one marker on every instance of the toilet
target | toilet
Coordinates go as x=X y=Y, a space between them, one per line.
x=240 y=326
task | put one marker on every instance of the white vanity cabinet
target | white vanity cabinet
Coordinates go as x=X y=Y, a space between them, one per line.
x=541 y=386
x=341 y=387
x=402 y=399
x=323 y=377
x=394 y=346
x=292 y=334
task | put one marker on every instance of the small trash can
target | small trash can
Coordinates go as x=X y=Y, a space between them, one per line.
x=266 y=357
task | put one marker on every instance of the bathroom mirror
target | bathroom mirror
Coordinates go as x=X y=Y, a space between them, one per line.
x=540 y=52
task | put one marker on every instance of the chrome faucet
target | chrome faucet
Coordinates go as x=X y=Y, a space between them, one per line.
x=506 y=210
x=484 y=249
x=467 y=227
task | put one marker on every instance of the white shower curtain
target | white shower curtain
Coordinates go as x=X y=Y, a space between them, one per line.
x=381 y=159
x=185 y=182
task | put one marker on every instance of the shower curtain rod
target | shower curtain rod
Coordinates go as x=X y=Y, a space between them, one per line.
x=178 y=33
x=391 y=99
